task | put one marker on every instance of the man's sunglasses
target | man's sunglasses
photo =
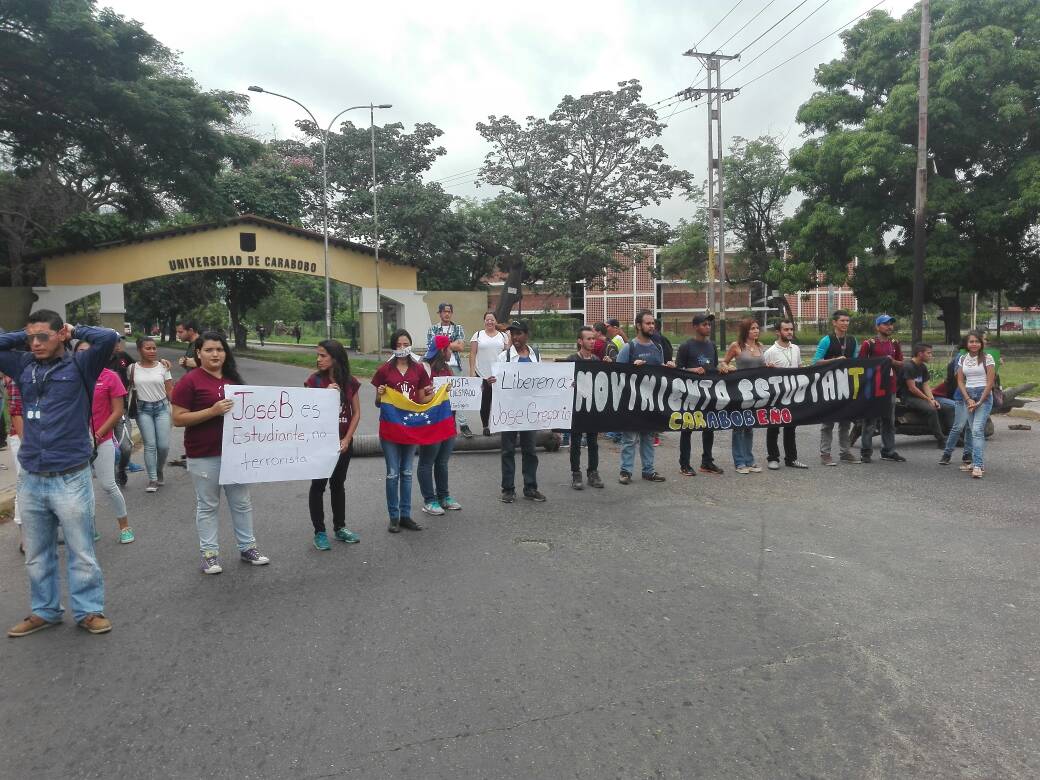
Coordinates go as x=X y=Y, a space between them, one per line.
x=40 y=338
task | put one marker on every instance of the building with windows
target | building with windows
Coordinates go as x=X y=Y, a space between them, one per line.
x=636 y=285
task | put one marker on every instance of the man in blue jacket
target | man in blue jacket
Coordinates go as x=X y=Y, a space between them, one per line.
x=57 y=449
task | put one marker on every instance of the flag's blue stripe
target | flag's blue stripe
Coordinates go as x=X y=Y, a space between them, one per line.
x=436 y=414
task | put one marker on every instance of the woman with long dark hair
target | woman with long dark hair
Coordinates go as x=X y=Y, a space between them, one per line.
x=106 y=411
x=200 y=401
x=333 y=373
x=746 y=352
x=485 y=347
x=433 y=458
x=152 y=382
x=403 y=373
x=976 y=375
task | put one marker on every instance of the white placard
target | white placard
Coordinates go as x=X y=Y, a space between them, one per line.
x=464 y=391
x=274 y=434
x=532 y=396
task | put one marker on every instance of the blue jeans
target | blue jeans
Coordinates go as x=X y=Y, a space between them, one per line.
x=153 y=418
x=205 y=473
x=646 y=451
x=949 y=403
x=45 y=502
x=433 y=469
x=398 y=459
x=741 y=441
x=975 y=422
x=888 y=431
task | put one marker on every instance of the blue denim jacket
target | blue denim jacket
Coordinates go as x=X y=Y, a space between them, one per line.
x=60 y=437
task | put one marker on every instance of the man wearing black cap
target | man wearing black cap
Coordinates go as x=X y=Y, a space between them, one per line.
x=699 y=355
x=519 y=352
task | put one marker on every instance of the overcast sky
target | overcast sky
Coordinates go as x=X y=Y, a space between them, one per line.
x=455 y=63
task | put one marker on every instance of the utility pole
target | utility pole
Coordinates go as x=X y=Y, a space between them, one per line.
x=712 y=62
x=920 y=200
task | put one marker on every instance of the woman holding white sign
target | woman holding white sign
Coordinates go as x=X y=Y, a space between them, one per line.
x=433 y=458
x=405 y=374
x=334 y=373
x=484 y=349
x=199 y=404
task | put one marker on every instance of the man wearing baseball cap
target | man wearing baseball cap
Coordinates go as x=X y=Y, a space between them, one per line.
x=698 y=355
x=883 y=345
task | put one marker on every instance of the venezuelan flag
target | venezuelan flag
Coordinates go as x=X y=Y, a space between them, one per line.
x=403 y=421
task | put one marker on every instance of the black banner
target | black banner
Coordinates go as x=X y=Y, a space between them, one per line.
x=620 y=397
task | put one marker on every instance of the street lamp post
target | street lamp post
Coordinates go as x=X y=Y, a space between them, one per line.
x=325 y=196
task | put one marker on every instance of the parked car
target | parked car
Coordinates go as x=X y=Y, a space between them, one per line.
x=1011 y=326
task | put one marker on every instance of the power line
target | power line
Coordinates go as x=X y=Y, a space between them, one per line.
x=758 y=56
x=761 y=11
x=720 y=21
x=454 y=175
x=812 y=45
x=763 y=35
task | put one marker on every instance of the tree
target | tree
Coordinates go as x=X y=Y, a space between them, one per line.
x=166 y=299
x=687 y=256
x=577 y=182
x=984 y=185
x=757 y=185
x=467 y=247
x=96 y=102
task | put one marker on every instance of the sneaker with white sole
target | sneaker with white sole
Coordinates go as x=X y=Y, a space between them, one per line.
x=433 y=508
x=254 y=557
x=211 y=564
x=153 y=487
x=743 y=470
x=450 y=503
x=796 y=464
x=773 y=465
x=126 y=535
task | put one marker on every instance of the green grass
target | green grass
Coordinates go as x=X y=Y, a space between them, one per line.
x=358 y=366
x=1017 y=372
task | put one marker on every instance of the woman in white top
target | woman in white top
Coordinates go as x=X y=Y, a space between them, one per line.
x=484 y=347
x=976 y=373
x=152 y=382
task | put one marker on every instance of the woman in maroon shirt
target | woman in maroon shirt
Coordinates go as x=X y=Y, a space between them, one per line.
x=199 y=405
x=334 y=372
x=406 y=375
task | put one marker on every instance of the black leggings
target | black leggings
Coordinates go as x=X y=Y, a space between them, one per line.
x=337 y=491
x=485 y=403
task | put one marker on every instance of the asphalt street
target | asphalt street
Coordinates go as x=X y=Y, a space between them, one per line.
x=863 y=621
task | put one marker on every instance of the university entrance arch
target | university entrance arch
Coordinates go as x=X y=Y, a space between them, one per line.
x=246 y=243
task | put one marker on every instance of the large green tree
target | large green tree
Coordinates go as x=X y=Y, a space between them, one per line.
x=857 y=169
x=757 y=186
x=578 y=181
x=96 y=102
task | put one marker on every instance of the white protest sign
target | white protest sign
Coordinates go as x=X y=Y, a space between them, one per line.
x=274 y=434
x=463 y=391
x=532 y=396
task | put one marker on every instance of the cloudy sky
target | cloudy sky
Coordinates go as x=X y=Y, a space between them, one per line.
x=455 y=63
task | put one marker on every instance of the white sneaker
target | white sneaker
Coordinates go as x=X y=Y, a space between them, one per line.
x=773 y=465
x=153 y=487
x=433 y=508
x=754 y=468
x=743 y=470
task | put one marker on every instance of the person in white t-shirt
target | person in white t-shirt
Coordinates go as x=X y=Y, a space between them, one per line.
x=784 y=353
x=484 y=349
x=152 y=383
x=976 y=375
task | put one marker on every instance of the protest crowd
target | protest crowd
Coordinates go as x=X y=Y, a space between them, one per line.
x=72 y=394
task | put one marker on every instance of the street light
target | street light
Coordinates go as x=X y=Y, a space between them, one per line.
x=325 y=197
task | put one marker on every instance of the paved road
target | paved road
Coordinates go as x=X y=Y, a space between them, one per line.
x=864 y=621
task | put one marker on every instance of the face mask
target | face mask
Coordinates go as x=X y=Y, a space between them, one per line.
x=402 y=353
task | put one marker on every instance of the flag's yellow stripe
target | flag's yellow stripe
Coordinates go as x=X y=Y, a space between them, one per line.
x=394 y=398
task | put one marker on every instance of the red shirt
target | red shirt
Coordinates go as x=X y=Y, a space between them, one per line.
x=875 y=348
x=346 y=408
x=107 y=387
x=409 y=383
x=14 y=398
x=198 y=390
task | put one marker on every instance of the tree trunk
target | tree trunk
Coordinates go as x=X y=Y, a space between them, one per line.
x=238 y=331
x=951 y=309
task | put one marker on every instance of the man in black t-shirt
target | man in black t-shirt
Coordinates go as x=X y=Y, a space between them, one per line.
x=915 y=392
x=699 y=355
x=586 y=345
